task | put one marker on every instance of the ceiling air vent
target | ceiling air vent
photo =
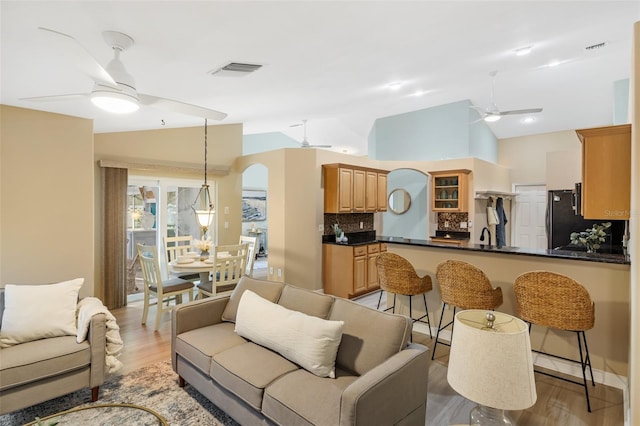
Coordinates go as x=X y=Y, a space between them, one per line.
x=596 y=46
x=235 y=69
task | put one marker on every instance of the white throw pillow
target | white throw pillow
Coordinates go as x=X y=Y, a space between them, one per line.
x=33 y=312
x=308 y=341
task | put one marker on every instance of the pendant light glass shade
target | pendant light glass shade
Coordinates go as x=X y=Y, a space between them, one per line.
x=203 y=204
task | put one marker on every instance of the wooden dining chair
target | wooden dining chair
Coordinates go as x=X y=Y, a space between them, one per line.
x=228 y=267
x=178 y=246
x=251 y=252
x=155 y=285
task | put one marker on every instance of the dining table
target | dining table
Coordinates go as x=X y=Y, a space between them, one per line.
x=196 y=265
x=203 y=267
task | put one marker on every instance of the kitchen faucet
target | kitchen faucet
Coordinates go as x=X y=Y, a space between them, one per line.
x=482 y=235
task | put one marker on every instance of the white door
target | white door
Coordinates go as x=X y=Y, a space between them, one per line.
x=530 y=213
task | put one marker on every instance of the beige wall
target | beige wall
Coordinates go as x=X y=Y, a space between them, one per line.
x=47 y=220
x=608 y=285
x=181 y=151
x=527 y=156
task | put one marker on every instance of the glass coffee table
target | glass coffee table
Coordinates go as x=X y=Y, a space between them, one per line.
x=105 y=414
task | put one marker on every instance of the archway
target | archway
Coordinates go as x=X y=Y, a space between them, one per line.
x=255 y=209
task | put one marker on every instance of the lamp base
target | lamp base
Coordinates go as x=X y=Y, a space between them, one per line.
x=487 y=416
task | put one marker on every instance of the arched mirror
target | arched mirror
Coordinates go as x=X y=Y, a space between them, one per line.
x=399 y=201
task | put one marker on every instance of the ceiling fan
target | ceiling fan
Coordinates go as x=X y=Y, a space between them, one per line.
x=114 y=88
x=305 y=143
x=493 y=113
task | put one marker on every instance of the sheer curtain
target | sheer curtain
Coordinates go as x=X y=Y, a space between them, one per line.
x=114 y=236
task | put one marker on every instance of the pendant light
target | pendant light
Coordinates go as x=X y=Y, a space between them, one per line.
x=203 y=204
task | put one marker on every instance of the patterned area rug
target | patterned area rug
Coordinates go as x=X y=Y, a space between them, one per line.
x=155 y=387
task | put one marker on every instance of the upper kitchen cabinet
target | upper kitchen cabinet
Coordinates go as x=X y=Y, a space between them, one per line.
x=606 y=172
x=449 y=190
x=354 y=189
x=382 y=191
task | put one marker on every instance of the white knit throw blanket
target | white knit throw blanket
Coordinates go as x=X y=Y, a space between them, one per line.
x=88 y=307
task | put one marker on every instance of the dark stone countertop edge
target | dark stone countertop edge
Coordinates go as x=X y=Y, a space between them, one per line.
x=556 y=254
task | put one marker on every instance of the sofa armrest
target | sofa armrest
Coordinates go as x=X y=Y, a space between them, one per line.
x=194 y=315
x=392 y=391
x=97 y=338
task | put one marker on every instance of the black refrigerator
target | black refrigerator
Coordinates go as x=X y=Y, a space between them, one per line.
x=562 y=221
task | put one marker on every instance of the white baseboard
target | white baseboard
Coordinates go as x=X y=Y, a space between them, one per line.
x=551 y=363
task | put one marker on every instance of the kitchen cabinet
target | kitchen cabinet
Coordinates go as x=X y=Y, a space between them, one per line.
x=350 y=271
x=338 y=184
x=606 y=172
x=371 y=191
x=449 y=190
x=382 y=192
x=353 y=189
x=359 y=191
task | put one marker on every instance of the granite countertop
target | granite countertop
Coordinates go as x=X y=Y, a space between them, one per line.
x=561 y=254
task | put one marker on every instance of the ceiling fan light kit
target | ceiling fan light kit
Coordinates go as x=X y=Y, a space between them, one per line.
x=114 y=102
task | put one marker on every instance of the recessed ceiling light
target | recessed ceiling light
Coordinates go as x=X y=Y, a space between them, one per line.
x=521 y=51
x=553 y=64
x=491 y=118
x=419 y=93
x=528 y=120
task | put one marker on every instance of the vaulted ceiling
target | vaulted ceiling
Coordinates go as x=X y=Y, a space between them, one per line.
x=329 y=62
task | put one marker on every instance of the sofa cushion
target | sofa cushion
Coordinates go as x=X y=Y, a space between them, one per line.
x=34 y=312
x=368 y=337
x=269 y=290
x=306 y=301
x=308 y=341
x=39 y=359
x=200 y=344
x=300 y=398
x=245 y=370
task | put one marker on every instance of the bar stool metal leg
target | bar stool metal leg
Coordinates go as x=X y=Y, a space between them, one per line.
x=426 y=310
x=442 y=327
x=583 y=365
x=380 y=299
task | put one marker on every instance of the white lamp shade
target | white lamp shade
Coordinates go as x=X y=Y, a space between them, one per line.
x=493 y=368
x=205 y=217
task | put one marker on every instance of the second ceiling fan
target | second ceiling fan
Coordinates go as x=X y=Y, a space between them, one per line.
x=305 y=143
x=493 y=113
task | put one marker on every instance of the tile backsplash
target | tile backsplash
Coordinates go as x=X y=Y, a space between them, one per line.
x=349 y=222
x=453 y=219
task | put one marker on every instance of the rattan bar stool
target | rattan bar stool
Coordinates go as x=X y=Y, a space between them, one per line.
x=463 y=286
x=556 y=301
x=396 y=275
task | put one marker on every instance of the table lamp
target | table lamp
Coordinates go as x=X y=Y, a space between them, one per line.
x=490 y=363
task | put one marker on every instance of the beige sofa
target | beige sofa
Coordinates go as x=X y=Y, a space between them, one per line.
x=40 y=370
x=380 y=377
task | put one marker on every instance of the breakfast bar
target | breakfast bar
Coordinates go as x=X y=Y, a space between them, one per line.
x=605 y=276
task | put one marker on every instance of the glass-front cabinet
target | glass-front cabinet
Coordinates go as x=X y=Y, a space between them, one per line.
x=449 y=190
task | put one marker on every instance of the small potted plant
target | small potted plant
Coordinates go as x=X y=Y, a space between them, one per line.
x=204 y=246
x=591 y=238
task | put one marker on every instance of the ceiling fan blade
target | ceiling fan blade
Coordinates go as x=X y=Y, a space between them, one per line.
x=57 y=98
x=81 y=57
x=521 y=111
x=319 y=146
x=180 y=107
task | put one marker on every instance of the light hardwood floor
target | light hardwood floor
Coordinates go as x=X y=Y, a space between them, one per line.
x=559 y=403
